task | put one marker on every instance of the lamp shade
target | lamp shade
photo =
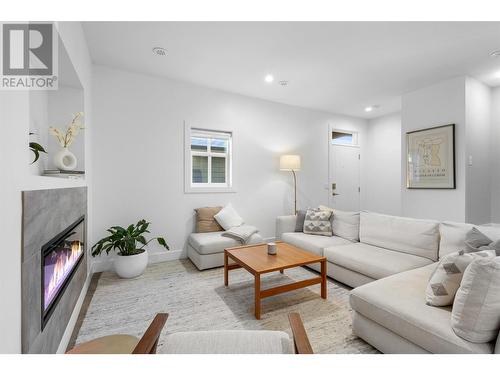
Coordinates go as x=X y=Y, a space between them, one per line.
x=290 y=163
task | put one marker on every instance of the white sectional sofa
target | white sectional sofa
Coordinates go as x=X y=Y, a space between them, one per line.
x=389 y=268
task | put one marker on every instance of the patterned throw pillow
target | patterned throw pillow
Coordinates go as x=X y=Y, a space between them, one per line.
x=445 y=280
x=318 y=222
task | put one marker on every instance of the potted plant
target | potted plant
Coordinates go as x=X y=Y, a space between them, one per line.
x=130 y=245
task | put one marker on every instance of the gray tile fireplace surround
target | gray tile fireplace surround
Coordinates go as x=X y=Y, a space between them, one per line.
x=46 y=213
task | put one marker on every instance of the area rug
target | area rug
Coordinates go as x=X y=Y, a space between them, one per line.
x=199 y=301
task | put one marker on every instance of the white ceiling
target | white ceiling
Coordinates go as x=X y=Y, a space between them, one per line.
x=339 y=67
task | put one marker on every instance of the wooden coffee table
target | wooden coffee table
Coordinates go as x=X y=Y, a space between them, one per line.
x=256 y=260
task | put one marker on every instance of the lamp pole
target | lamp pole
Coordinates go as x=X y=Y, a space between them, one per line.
x=295 y=191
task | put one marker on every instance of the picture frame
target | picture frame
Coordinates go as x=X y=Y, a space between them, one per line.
x=430 y=158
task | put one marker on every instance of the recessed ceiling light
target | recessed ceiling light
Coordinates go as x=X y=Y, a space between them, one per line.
x=371 y=108
x=495 y=53
x=269 y=78
x=160 y=51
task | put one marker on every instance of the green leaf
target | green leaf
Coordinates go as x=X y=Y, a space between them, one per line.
x=163 y=243
x=36 y=146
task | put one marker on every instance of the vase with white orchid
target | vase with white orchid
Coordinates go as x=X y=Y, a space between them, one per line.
x=65 y=159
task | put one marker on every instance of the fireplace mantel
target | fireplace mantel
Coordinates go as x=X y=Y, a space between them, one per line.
x=46 y=214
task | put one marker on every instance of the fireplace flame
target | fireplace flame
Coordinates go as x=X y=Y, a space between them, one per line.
x=62 y=267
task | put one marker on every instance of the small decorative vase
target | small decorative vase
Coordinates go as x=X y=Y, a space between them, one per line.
x=271 y=248
x=130 y=266
x=64 y=160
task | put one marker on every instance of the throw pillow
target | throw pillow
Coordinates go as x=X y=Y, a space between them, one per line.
x=318 y=222
x=299 y=223
x=474 y=239
x=205 y=221
x=446 y=278
x=345 y=224
x=475 y=315
x=228 y=217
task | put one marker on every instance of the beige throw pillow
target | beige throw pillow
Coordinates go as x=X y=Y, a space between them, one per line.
x=475 y=315
x=205 y=221
x=445 y=280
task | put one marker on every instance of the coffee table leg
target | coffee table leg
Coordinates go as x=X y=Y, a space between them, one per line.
x=257 y=296
x=226 y=271
x=282 y=271
x=323 y=279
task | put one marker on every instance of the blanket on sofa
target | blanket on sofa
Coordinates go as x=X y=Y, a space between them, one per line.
x=241 y=233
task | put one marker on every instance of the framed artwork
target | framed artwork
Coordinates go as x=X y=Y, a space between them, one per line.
x=430 y=160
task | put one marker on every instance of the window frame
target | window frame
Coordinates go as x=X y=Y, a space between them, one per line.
x=208 y=187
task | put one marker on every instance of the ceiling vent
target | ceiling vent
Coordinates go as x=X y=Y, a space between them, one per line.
x=160 y=51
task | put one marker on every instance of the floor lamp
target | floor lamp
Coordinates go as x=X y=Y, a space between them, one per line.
x=291 y=163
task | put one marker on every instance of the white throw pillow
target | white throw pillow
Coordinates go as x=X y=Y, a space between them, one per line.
x=228 y=217
x=475 y=315
x=345 y=224
x=445 y=280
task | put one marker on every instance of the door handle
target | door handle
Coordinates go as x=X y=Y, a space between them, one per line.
x=334 y=194
x=334 y=187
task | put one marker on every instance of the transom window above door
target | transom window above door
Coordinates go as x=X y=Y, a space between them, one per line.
x=209 y=163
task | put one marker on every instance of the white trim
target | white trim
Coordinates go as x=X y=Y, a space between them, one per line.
x=189 y=187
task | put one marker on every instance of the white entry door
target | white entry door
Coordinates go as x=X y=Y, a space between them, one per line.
x=344 y=177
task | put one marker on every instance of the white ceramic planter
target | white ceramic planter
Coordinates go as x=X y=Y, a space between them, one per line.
x=64 y=160
x=130 y=266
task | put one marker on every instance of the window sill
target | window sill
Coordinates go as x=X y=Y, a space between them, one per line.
x=205 y=190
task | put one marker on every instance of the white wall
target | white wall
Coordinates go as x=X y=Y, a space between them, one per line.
x=382 y=171
x=138 y=153
x=495 y=155
x=63 y=103
x=478 y=157
x=440 y=104
x=17 y=176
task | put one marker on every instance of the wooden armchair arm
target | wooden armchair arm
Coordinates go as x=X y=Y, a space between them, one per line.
x=300 y=340
x=149 y=341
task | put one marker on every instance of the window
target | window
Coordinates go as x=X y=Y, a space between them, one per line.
x=344 y=138
x=209 y=160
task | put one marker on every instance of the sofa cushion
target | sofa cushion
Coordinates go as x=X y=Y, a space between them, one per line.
x=445 y=280
x=345 y=224
x=453 y=235
x=228 y=342
x=476 y=311
x=398 y=304
x=205 y=221
x=372 y=261
x=314 y=244
x=407 y=235
x=215 y=242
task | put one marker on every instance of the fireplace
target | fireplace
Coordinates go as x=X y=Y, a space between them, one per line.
x=61 y=256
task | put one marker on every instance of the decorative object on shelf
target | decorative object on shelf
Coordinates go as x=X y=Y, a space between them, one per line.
x=64 y=159
x=431 y=158
x=70 y=175
x=271 y=248
x=36 y=148
x=291 y=163
x=129 y=244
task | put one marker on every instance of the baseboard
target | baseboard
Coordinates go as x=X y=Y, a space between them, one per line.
x=63 y=344
x=165 y=256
